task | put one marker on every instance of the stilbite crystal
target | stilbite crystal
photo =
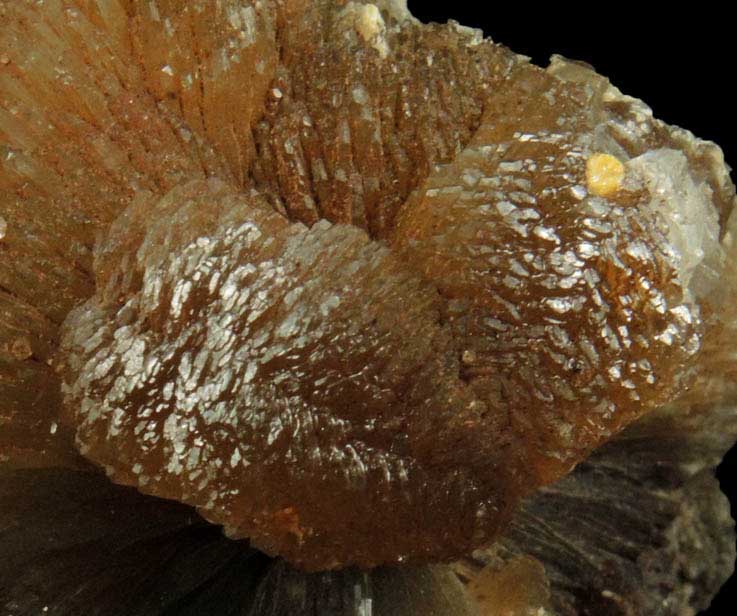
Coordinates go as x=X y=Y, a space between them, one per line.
x=359 y=309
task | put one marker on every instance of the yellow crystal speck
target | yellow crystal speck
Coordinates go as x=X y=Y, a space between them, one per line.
x=604 y=174
x=369 y=23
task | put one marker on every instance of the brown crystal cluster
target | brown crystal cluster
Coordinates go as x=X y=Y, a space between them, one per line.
x=353 y=286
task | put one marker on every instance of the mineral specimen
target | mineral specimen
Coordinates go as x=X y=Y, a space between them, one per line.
x=351 y=286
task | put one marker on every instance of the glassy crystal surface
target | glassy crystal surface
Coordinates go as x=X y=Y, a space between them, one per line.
x=349 y=285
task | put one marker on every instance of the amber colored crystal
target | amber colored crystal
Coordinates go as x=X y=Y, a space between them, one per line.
x=350 y=285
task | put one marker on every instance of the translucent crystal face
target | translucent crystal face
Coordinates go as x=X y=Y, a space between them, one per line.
x=356 y=310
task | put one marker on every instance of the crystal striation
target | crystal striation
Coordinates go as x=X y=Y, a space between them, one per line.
x=359 y=309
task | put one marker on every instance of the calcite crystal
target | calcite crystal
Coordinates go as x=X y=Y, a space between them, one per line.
x=349 y=285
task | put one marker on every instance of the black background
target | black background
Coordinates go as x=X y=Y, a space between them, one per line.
x=681 y=62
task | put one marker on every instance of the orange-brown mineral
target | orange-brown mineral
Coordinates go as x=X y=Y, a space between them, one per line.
x=350 y=285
